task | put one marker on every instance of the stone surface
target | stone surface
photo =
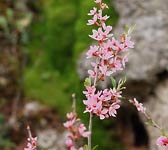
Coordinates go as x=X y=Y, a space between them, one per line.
x=158 y=108
x=32 y=108
x=150 y=56
x=51 y=139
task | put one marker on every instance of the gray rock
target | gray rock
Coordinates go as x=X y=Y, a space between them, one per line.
x=157 y=106
x=51 y=139
x=150 y=56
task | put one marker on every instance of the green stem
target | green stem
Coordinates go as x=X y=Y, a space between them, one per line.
x=90 y=130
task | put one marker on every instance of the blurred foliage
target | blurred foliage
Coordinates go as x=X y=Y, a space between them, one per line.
x=14 y=20
x=5 y=142
x=49 y=88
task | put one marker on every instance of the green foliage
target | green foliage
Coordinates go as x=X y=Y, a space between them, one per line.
x=129 y=30
x=87 y=82
x=56 y=36
x=121 y=82
x=95 y=147
x=150 y=122
x=113 y=81
x=85 y=147
x=49 y=88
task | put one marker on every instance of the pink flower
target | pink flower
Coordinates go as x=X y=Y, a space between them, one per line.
x=162 y=141
x=139 y=106
x=32 y=143
x=102 y=18
x=93 y=21
x=124 y=59
x=29 y=147
x=90 y=91
x=115 y=65
x=97 y=1
x=107 y=30
x=97 y=34
x=105 y=54
x=103 y=69
x=115 y=94
x=113 y=108
x=81 y=148
x=115 y=44
x=93 y=51
x=102 y=113
x=128 y=42
x=68 y=142
x=70 y=123
x=101 y=35
x=93 y=11
x=92 y=73
x=72 y=148
x=82 y=131
x=70 y=115
x=106 y=96
x=92 y=103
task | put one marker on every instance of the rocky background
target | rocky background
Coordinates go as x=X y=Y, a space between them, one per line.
x=147 y=69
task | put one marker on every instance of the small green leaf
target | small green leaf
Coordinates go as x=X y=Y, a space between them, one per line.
x=124 y=79
x=95 y=147
x=126 y=29
x=163 y=132
x=87 y=82
x=85 y=147
x=150 y=123
x=3 y=22
x=113 y=81
x=131 y=29
x=121 y=83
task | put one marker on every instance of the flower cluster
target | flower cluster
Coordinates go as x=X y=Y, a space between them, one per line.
x=31 y=145
x=103 y=103
x=76 y=131
x=110 y=57
x=109 y=53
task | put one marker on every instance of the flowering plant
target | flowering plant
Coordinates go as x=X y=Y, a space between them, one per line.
x=110 y=56
x=76 y=129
